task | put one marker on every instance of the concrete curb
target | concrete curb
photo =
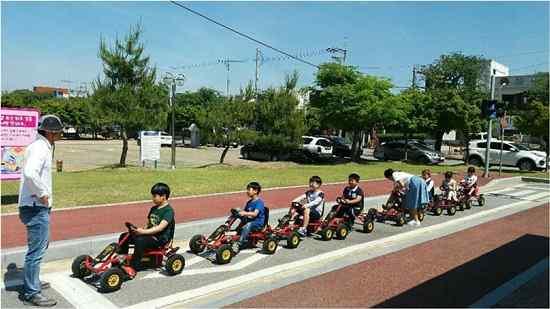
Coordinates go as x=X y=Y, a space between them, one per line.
x=535 y=179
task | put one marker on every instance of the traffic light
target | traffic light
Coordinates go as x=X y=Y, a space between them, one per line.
x=488 y=109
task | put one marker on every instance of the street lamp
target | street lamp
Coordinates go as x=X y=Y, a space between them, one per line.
x=173 y=80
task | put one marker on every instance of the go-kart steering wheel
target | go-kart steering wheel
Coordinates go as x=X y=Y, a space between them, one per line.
x=297 y=205
x=235 y=212
x=339 y=200
x=130 y=226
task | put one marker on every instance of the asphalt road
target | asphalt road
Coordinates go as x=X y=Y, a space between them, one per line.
x=204 y=284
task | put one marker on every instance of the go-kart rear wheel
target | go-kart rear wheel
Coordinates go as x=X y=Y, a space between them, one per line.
x=174 y=264
x=327 y=233
x=79 y=268
x=481 y=201
x=342 y=231
x=468 y=204
x=438 y=211
x=421 y=215
x=197 y=244
x=400 y=219
x=368 y=226
x=224 y=254
x=451 y=211
x=111 y=280
x=293 y=240
x=270 y=245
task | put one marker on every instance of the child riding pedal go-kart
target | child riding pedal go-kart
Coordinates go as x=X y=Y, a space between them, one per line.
x=469 y=190
x=111 y=269
x=226 y=241
x=393 y=210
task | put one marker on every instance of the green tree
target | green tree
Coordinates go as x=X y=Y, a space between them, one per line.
x=190 y=103
x=350 y=101
x=129 y=96
x=454 y=83
x=533 y=119
x=227 y=122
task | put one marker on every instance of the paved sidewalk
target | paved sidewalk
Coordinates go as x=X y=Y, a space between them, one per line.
x=83 y=222
x=452 y=271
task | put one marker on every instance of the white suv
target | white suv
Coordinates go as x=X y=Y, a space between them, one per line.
x=317 y=146
x=512 y=155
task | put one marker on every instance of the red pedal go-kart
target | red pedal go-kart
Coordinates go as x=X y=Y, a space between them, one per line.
x=224 y=239
x=333 y=223
x=288 y=225
x=393 y=210
x=465 y=200
x=364 y=219
x=440 y=204
x=108 y=265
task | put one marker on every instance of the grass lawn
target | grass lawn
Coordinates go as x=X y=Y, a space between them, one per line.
x=132 y=184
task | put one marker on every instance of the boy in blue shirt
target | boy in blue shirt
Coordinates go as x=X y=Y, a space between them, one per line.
x=253 y=215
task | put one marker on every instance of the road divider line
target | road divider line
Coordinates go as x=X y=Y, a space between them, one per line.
x=491 y=299
x=215 y=269
x=203 y=291
x=521 y=193
x=78 y=293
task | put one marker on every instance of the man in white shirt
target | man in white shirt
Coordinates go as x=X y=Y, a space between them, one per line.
x=35 y=202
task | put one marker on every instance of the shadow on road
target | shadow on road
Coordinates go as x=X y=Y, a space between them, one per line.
x=464 y=285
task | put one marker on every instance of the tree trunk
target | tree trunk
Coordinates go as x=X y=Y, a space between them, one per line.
x=406 y=146
x=124 y=148
x=226 y=149
x=438 y=140
x=354 y=146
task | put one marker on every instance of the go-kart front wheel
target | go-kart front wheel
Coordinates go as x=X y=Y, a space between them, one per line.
x=197 y=244
x=293 y=240
x=481 y=201
x=468 y=204
x=342 y=231
x=327 y=233
x=111 y=280
x=270 y=245
x=368 y=226
x=451 y=211
x=174 y=264
x=79 y=268
x=438 y=211
x=224 y=254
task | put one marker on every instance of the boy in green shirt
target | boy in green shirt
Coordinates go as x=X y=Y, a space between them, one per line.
x=158 y=232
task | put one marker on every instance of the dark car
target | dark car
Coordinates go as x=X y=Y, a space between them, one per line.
x=417 y=152
x=340 y=147
x=253 y=152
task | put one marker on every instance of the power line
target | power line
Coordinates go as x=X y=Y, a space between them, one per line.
x=244 y=35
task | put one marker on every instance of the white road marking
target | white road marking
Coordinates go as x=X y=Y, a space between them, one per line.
x=76 y=292
x=521 y=193
x=215 y=269
x=540 y=196
x=189 y=295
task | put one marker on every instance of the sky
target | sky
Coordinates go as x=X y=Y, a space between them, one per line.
x=50 y=43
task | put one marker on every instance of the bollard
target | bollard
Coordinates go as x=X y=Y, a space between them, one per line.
x=59 y=166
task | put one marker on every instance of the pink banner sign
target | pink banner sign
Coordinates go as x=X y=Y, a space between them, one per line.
x=17 y=130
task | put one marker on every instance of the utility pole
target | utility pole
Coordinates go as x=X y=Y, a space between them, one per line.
x=337 y=50
x=173 y=80
x=227 y=62
x=257 y=75
x=489 y=128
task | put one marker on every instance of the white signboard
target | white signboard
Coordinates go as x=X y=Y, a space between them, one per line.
x=150 y=146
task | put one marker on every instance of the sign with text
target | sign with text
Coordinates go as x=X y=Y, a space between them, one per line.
x=149 y=146
x=18 y=129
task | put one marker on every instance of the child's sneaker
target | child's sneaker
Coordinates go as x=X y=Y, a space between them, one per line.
x=411 y=223
x=302 y=231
